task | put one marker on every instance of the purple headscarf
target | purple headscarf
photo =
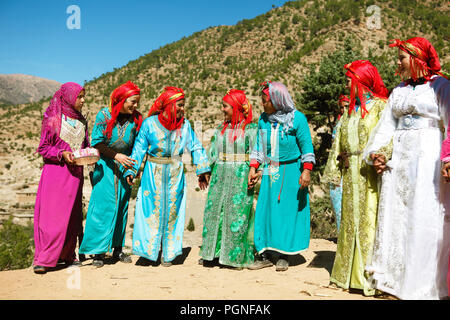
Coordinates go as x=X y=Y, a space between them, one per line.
x=63 y=102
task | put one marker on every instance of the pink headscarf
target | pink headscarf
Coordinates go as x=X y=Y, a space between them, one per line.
x=62 y=102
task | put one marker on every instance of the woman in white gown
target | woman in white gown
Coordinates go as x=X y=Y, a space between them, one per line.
x=412 y=243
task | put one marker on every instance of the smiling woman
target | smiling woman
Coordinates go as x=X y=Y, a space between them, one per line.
x=113 y=135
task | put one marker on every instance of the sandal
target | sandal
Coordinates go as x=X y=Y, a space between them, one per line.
x=39 y=269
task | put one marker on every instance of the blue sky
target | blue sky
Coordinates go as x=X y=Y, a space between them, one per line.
x=36 y=39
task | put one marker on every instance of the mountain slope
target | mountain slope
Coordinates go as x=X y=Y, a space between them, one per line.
x=279 y=45
x=21 y=88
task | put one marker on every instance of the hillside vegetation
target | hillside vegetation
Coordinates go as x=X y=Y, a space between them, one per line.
x=286 y=44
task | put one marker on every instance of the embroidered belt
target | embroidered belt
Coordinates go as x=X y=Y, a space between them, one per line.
x=162 y=160
x=230 y=157
x=414 y=122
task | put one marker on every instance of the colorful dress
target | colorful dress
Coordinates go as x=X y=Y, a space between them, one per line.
x=282 y=216
x=412 y=244
x=228 y=217
x=58 y=207
x=107 y=214
x=161 y=199
x=359 y=198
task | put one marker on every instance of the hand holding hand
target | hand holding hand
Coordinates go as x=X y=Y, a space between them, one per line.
x=379 y=162
x=253 y=177
x=124 y=160
x=203 y=180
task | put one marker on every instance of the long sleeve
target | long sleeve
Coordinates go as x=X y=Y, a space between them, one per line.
x=381 y=136
x=213 y=151
x=303 y=136
x=197 y=151
x=258 y=155
x=51 y=147
x=105 y=150
x=97 y=135
x=140 y=148
x=332 y=172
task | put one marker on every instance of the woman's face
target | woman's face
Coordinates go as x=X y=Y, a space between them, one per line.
x=130 y=104
x=403 y=64
x=179 y=108
x=80 y=101
x=348 y=86
x=267 y=104
x=227 y=110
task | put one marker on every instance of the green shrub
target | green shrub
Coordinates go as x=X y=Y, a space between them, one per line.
x=323 y=222
x=190 y=226
x=16 y=246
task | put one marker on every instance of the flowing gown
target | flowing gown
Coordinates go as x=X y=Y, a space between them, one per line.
x=413 y=235
x=58 y=208
x=107 y=214
x=228 y=218
x=359 y=198
x=282 y=215
x=161 y=199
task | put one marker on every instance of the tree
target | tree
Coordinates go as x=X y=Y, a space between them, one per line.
x=320 y=92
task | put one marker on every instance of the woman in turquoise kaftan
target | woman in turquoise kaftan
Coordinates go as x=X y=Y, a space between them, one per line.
x=159 y=219
x=107 y=214
x=284 y=149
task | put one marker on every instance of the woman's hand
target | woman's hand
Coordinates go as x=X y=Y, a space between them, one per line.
x=130 y=180
x=379 y=162
x=305 y=178
x=253 y=177
x=124 y=160
x=445 y=173
x=68 y=157
x=203 y=180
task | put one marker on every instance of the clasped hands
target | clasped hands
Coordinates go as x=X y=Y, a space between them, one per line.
x=379 y=162
x=254 y=177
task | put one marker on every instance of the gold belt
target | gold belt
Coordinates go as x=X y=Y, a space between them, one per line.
x=231 y=157
x=161 y=160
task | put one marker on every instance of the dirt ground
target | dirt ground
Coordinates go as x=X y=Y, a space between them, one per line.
x=306 y=279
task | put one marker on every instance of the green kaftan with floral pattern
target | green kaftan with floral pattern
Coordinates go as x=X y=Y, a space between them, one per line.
x=228 y=218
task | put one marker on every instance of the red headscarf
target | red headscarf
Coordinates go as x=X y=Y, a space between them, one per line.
x=342 y=97
x=424 y=55
x=365 y=77
x=265 y=88
x=118 y=97
x=165 y=107
x=242 y=111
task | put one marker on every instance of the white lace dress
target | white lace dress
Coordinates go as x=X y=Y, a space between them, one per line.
x=412 y=243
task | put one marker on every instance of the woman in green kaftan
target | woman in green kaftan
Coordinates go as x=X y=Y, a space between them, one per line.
x=228 y=217
x=360 y=183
